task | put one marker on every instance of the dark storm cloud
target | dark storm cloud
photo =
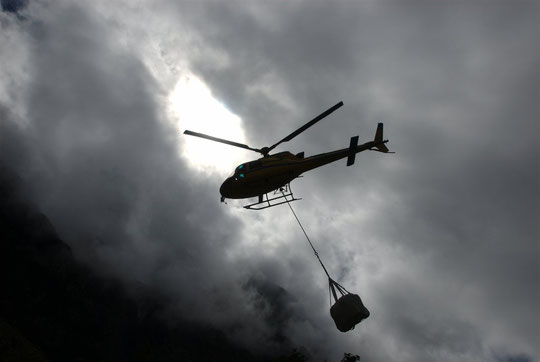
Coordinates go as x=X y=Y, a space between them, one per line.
x=13 y=6
x=441 y=239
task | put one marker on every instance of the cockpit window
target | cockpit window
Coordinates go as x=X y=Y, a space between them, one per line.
x=239 y=171
x=241 y=168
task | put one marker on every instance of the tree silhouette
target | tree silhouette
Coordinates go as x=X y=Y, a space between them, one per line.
x=349 y=357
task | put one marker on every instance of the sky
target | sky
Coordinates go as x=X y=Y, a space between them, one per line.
x=440 y=240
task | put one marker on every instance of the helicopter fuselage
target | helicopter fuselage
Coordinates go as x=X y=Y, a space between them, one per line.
x=269 y=173
x=275 y=172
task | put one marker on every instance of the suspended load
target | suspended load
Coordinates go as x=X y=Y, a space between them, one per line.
x=348 y=310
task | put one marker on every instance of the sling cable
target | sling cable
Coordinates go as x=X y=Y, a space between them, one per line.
x=348 y=310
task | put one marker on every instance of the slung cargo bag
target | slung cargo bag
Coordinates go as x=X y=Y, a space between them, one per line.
x=348 y=310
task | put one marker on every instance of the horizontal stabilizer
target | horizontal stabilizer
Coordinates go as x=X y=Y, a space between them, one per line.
x=383 y=148
x=352 y=148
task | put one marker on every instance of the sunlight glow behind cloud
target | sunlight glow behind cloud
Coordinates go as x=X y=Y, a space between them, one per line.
x=195 y=108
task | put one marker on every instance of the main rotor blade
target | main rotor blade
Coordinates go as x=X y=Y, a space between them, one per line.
x=307 y=125
x=211 y=138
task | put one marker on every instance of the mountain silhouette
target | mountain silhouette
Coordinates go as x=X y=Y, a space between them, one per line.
x=54 y=308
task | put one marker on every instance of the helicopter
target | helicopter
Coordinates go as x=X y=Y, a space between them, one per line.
x=274 y=172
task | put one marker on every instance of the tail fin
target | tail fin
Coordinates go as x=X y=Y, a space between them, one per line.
x=379 y=142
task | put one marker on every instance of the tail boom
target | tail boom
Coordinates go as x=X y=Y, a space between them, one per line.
x=378 y=144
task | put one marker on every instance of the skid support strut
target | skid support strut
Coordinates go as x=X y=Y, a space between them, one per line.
x=284 y=195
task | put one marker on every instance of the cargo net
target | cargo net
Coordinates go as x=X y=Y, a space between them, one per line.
x=332 y=286
x=348 y=309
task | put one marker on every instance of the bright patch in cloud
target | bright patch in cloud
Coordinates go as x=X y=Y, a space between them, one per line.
x=197 y=110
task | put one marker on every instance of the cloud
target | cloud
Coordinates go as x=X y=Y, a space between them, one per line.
x=13 y=6
x=102 y=163
x=440 y=240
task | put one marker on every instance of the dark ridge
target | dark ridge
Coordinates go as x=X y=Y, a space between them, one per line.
x=53 y=308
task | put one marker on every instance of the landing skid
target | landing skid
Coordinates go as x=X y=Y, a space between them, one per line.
x=285 y=195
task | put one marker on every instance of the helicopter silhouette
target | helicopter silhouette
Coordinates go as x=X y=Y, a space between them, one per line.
x=273 y=173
